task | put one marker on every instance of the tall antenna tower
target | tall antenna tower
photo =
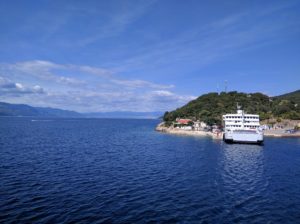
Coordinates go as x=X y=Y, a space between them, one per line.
x=225 y=86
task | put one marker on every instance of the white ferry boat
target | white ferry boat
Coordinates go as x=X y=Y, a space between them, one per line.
x=242 y=128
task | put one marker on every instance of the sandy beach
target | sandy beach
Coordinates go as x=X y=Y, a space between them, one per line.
x=280 y=133
x=178 y=131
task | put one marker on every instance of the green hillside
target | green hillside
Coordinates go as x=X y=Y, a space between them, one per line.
x=293 y=96
x=210 y=107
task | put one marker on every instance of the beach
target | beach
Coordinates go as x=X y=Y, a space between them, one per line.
x=179 y=131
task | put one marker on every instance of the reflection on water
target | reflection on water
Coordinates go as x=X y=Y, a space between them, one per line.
x=242 y=165
x=122 y=171
x=241 y=170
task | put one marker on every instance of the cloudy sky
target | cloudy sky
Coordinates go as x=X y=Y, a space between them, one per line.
x=149 y=55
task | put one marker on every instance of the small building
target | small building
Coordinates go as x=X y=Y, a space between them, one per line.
x=185 y=124
x=184 y=121
x=199 y=125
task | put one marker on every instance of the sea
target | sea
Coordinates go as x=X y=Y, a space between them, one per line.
x=58 y=170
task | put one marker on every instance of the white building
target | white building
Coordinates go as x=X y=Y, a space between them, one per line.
x=241 y=121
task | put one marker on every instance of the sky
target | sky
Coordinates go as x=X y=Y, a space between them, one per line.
x=130 y=55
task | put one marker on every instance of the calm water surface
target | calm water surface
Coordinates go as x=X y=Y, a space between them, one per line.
x=122 y=171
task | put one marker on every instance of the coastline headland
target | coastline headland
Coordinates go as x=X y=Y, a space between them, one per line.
x=280 y=134
x=277 y=116
x=177 y=131
x=219 y=135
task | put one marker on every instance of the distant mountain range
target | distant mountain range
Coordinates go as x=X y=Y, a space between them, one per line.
x=7 y=109
x=208 y=107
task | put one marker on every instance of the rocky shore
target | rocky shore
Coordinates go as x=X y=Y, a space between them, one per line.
x=280 y=133
x=178 y=131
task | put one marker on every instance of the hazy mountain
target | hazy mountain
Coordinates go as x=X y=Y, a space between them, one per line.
x=7 y=109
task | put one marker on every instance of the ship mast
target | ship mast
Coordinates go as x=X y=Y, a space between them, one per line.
x=239 y=111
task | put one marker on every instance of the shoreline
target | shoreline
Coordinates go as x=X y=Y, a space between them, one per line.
x=161 y=128
x=268 y=133
x=280 y=134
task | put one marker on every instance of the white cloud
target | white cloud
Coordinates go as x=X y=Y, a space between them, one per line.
x=9 y=88
x=93 y=70
x=70 y=81
x=214 y=41
x=163 y=93
x=48 y=71
x=125 y=14
x=93 y=89
x=140 y=84
x=38 y=89
x=19 y=86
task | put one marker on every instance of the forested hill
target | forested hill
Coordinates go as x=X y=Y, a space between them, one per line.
x=293 y=96
x=210 y=107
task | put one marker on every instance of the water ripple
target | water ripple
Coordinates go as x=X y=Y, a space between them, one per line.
x=121 y=171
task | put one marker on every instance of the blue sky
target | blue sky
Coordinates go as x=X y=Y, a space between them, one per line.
x=145 y=55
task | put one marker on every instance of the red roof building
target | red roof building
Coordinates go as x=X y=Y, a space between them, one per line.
x=184 y=121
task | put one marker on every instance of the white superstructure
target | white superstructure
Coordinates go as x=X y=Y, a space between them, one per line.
x=241 y=127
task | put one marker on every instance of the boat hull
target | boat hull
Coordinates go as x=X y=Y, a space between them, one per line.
x=246 y=138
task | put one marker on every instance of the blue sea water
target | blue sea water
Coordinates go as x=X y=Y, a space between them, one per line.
x=122 y=171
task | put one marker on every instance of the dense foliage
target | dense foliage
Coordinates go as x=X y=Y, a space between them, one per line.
x=210 y=107
x=293 y=97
